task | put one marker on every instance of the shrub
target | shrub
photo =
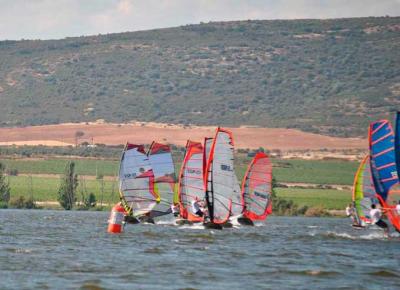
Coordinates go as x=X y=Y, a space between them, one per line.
x=316 y=212
x=21 y=202
x=67 y=190
x=4 y=185
x=12 y=172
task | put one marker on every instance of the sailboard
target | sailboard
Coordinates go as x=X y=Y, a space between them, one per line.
x=257 y=188
x=219 y=177
x=382 y=157
x=190 y=184
x=136 y=181
x=364 y=193
x=161 y=161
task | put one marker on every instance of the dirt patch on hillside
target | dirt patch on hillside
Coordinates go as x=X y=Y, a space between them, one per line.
x=139 y=132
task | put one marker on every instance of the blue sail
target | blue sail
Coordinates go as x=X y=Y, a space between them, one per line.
x=397 y=143
x=383 y=157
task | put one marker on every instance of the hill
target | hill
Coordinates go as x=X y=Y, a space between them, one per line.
x=325 y=76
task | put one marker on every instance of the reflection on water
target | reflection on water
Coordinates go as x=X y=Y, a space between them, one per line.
x=70 y=250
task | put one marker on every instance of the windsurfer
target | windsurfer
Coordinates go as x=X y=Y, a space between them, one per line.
x=351 y=212
x=175 y=209
x=376 y=218
x=196 y=208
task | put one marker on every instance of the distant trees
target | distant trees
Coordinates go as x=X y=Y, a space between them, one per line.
x=67 y=190
x=4 y=185
x=78 y=134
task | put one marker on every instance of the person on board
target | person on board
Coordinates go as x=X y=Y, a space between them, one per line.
x=398 y=207
x=204 y=208
x=376 y=218
x=351 y=212
x=196 y=209
x=175 y=209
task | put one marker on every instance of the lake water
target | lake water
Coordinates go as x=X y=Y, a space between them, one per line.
x=71 y=250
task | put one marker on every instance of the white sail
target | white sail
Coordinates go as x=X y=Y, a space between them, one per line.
x=191 y=184
x=136 y=181
x=161 y=161
x=220 y=176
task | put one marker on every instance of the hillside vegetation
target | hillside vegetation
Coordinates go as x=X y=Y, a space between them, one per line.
x=325 y=76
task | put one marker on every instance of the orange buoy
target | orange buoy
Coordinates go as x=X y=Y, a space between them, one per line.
x=116 y=219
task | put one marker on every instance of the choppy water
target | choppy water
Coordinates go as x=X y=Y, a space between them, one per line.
x=71 y=250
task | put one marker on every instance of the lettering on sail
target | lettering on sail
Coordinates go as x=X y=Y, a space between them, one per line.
x=225 y=167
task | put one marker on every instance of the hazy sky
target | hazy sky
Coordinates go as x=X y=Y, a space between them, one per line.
x=45 y=19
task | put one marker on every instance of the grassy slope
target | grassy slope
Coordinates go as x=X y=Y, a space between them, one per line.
x=327 y=76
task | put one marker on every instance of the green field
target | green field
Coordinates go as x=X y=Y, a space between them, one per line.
x=57 y=166
x=305 y=171
x=315 y=171
x=326 y=198
x=45 y=189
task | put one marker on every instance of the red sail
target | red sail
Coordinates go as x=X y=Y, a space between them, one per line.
x=257 y=188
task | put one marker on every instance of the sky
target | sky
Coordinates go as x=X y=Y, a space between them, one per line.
x=54 y=19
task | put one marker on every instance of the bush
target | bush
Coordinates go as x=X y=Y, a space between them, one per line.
x=12 y=172
x=88 y=202
x=20 y=202
x=316 y=212
x=4 y=185
x=67 y=189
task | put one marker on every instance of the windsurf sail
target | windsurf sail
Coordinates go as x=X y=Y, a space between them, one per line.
x=237 y=207
x=190 y=185
x=364 y=193
x=393 y=197
x=383 y=160
x=392 y=212
x=136 y=181
x=236 y=193
x=161 y=162
x=219 y=177
x=257 y=188
x=397 y=143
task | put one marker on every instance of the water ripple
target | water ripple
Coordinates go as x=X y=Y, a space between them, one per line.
x=47 y=250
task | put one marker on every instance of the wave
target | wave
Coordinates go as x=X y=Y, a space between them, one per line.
x=166 y=222
x=19 y=250
x=384 y=273
x=344 y=235
x=196 y=226
x=318 y=273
